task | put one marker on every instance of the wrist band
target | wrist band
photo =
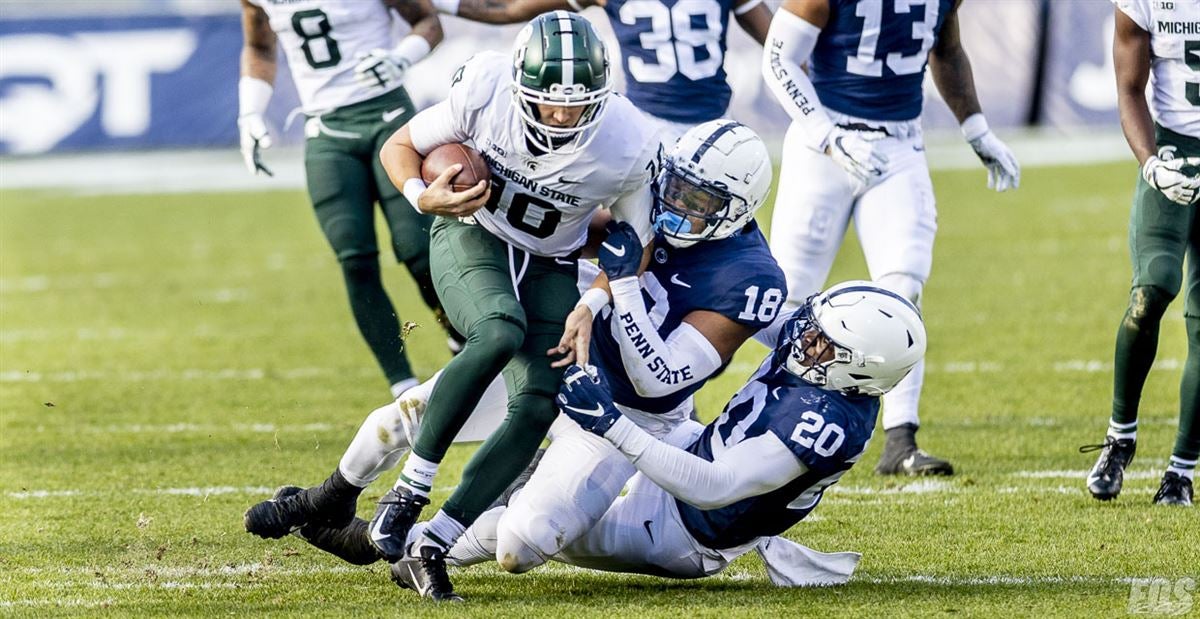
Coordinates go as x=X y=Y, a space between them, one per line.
x=974 y=127
x=413 y=188
x=449 y=7
x=595 y=299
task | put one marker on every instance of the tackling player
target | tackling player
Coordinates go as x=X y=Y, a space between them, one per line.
x=559 y=146
x=1162 y=228
x=708 y=494
x=854 y=150
x=673 y=51
x=348 y=72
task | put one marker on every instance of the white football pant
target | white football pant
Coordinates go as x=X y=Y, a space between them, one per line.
x=895 y=218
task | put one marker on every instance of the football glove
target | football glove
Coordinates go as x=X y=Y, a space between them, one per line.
x=857 y=156
x=254 y=137
x=380 y=69
x=1004 y=172
x=586 y=398
x=621 y=252
x=1165 y=173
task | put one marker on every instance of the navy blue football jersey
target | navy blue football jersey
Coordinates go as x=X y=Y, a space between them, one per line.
x=870 y=58
x=673 y=54
x=736 y=277
x=825 y=430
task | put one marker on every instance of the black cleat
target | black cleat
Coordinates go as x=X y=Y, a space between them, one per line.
x=331 y=504
x=394 y=518
x=426 y=575
x=1105 y=479
x=349 y=543
x=902 y=457
x=1175 y=490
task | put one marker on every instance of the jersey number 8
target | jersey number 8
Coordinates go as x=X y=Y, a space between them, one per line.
x=682 y=46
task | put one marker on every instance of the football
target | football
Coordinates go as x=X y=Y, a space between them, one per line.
x=474 y=168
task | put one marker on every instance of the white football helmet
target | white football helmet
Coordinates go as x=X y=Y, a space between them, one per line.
x=856 y=337
x=715 y=177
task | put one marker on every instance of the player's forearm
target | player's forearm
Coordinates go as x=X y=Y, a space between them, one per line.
x=1138 y=125
x=951 y=72
x=752 y=467
x=501 y=11
x=657 y=367
x=258 y=52
x=422 y=16
x=400 y=159
x=754 y=17
x=790 y=42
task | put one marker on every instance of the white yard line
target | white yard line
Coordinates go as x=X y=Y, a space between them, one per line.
x=191 y=491
x=187 y=374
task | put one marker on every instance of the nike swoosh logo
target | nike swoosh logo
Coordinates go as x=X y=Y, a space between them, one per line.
x=648 y=531
x=567 y=181
x=392 y=115
x=564 y=262
x=679 y=282
x=376 y=533
x=614 y=250
x=583 y=411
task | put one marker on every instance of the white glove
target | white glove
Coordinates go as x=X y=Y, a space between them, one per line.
x=1165 y=173
x=857 y=156
x=1004 y=172
x=380 y=69
x=255 y=137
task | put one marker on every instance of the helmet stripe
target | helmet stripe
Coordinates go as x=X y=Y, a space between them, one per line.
x=878 y=289
x=712 y=139
x=567 y=42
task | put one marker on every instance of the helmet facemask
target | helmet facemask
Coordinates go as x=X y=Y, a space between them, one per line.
x=684 y=201
x=811 y=353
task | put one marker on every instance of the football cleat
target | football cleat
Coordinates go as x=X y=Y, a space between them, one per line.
x=1175 y=490
x=901 y=456
x=349 y=543
x=426 y=574
x=1105 y=479
x=394 y=518
x=331 y=504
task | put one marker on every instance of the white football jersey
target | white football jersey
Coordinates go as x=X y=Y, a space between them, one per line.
x=1174 y=29
x=542 y=204
x=323 y=40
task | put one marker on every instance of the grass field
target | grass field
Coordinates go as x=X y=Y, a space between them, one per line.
x=167 y=360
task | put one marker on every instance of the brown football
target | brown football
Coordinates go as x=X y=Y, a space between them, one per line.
x=474 y=169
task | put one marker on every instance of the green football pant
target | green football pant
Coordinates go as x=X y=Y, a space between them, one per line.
x=508 y=328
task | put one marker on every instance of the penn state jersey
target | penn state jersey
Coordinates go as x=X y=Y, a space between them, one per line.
x=673 y=54
x=542 y=203
x=1174 y=29
x=323 y=40
x=736 y=277
x=870 y=59
x=825 y=430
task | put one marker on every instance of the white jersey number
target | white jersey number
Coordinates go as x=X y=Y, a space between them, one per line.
x=1191 y=56
x=865 y=62
x=813 y=433
x=675 y=54
x=766 y=310
x=320 y=50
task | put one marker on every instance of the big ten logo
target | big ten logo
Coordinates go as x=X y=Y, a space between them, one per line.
x=51 y=85
x=1161 y=596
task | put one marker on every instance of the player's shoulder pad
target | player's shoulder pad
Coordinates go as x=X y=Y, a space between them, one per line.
x=819 y=427
x=754 y=291
x=631 y=139
x=474 y=83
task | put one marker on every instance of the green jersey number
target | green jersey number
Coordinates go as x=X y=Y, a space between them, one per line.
x=320 y=50
x=1191 y=55
x=529 y=214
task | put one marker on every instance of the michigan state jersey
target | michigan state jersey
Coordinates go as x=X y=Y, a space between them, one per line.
x=736 y=277
x=673 y=53
x=826 y=431
x=870 y=59
x=323 y=40
x=1174 y=29
x=542 y=203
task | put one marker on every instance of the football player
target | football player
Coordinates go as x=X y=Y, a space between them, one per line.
x=348 y=71
x=673 y=50
x=705 y=495
x=559 y=146
x=854 y=150
x=1162 y=229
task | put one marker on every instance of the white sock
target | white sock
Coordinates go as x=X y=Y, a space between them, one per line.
x=478 y=544
x=441 y=531
x=1122 y=431
x=403 y=386
x=417 y=475
x=1181 y=467
x=377 y=447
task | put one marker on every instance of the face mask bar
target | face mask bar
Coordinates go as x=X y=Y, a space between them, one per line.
x=798 y=361
x=560 y=139
x=681 y=196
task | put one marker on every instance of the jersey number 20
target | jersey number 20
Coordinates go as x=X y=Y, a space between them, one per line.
x=687 y=39
x=813 y=433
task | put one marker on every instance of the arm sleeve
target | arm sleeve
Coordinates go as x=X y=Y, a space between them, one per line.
x=752 y=467
x=657 y=367
x=790 y=41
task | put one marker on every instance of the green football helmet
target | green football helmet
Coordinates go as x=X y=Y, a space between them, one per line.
x=558 y=59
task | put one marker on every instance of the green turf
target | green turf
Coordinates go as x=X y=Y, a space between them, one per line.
x=154 y=344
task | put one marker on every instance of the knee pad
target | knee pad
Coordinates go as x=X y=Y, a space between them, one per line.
x=906 y=285
x=1147 y=304
x=360 y=267
x=537 y=409
x=501 y=335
